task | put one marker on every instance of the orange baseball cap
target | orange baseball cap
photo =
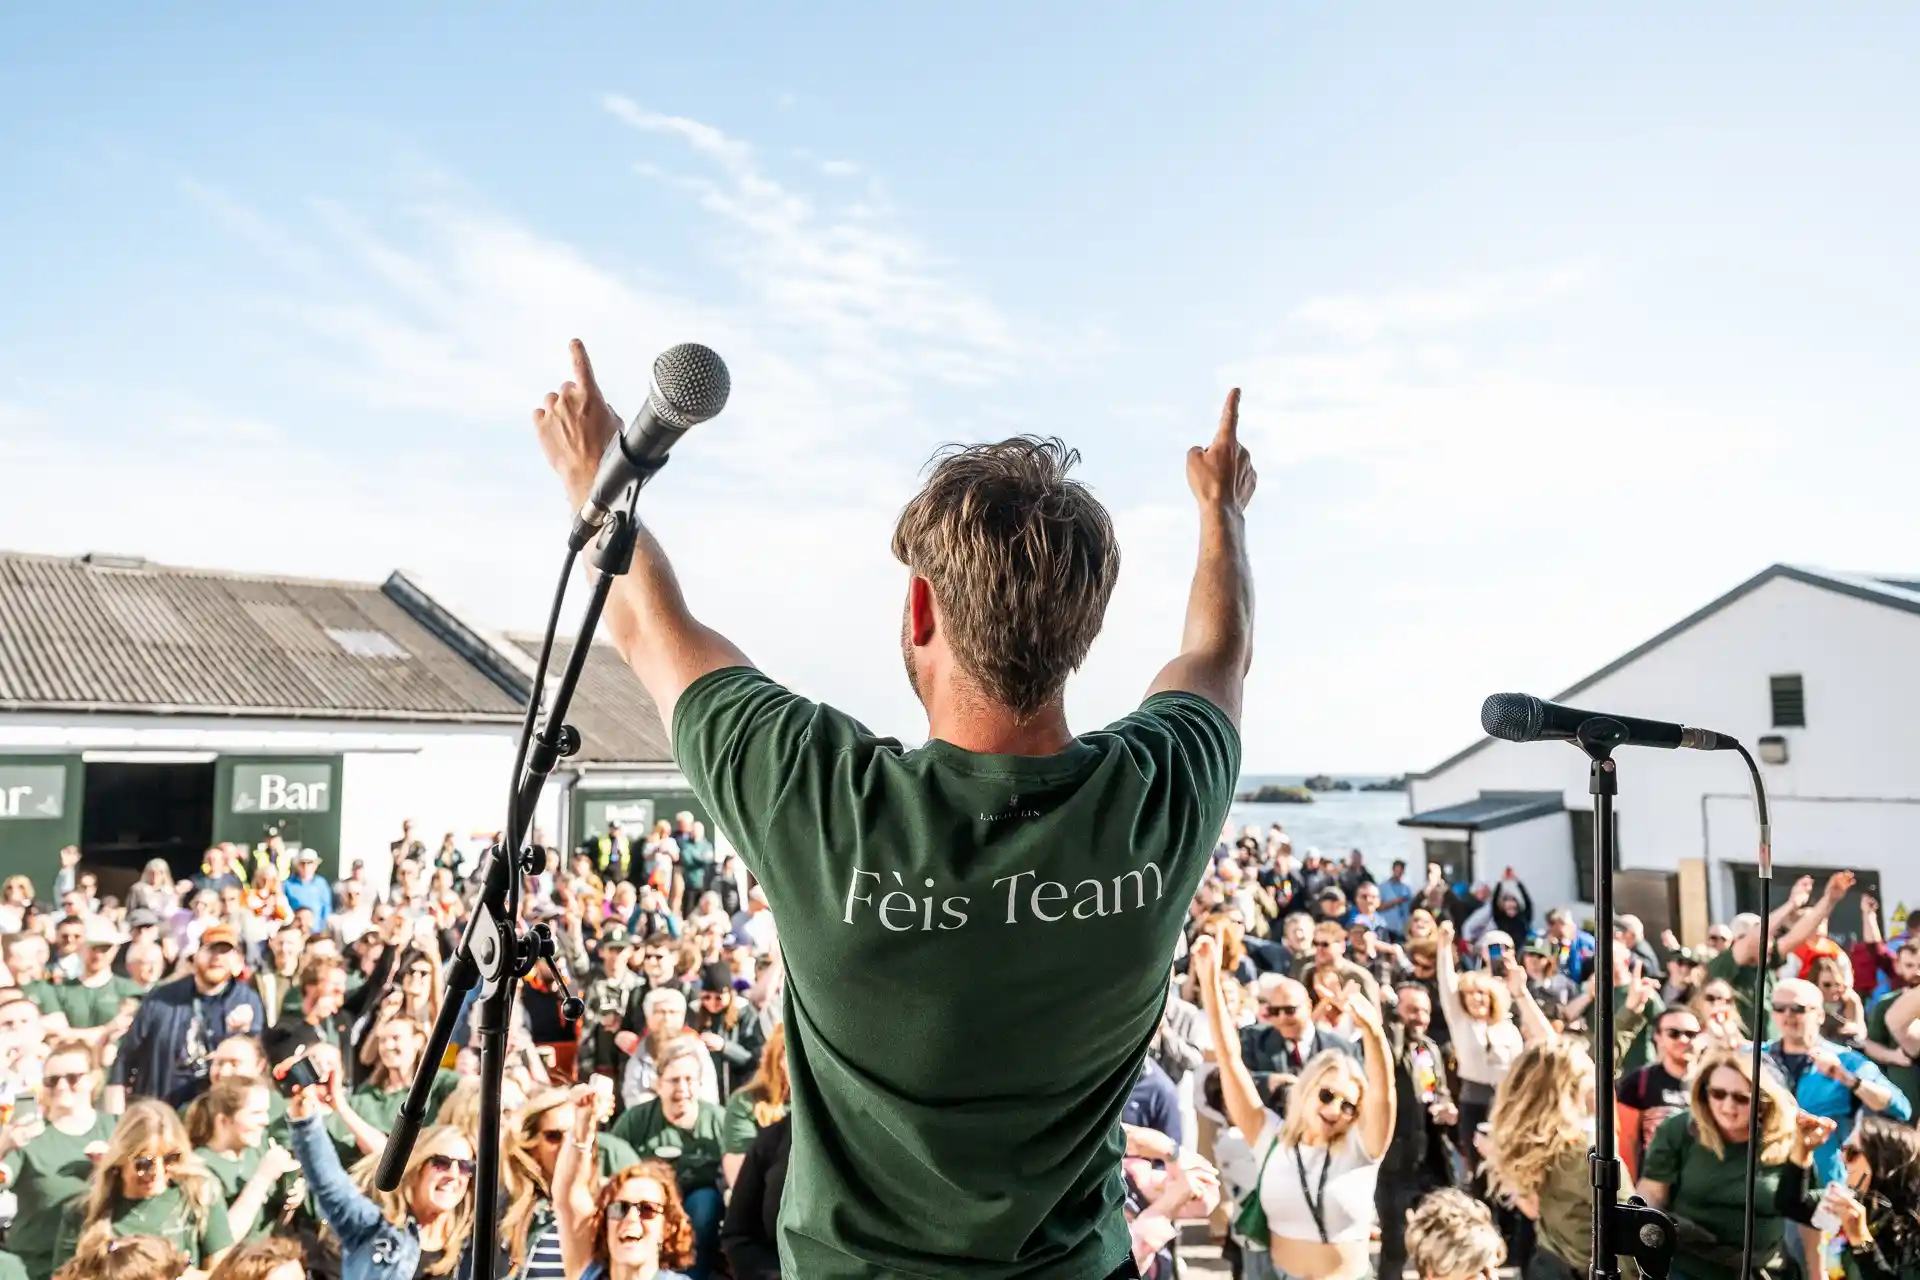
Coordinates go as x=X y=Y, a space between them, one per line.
x=215 y=934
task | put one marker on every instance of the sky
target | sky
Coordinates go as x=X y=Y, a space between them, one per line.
x=1551 y=325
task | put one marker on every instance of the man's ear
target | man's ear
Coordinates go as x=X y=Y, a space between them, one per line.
x=921 y=622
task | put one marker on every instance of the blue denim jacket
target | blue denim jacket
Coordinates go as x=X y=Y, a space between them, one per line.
x=1827 y=1097
x=371 y=1248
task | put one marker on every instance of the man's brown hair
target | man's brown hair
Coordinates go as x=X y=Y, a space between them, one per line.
x=1022 y=560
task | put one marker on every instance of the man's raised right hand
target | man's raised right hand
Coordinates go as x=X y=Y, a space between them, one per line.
x=1221 y=474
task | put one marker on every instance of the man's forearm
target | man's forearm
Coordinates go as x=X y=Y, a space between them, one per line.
x=1219 y=621
x=1216 y=643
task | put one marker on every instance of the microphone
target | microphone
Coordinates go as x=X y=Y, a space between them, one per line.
x=1520 y=717
x=690 y=384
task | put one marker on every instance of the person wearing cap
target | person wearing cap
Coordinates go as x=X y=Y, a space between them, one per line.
x=100 y=1001
x=616 y=976
x=308 y=888
x=728 y=1027
x=1552 y=989
x=180 y=1023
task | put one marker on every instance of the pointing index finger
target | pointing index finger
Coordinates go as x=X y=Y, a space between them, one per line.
x=1229 y=432
x=582 y=366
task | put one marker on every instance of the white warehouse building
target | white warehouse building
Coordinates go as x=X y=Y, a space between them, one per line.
x=147 y=711
x=1817 y=672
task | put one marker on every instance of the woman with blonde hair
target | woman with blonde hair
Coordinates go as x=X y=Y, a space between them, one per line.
x=148 y=1183
x=1539 y=1133
x=1475 y=1006
x=155 y=891
x=1312 y=1204
x=529 y=1156
x=132 y=1258
x=421 y=1228
x=1451 y=1236
x=759 y=1103
x=272 y=1258
x=1695 y=1169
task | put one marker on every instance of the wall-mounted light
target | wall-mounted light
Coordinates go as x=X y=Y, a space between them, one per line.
x=1773 y=749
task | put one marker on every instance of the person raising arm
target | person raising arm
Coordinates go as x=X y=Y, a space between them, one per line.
x=646 y=615
x=1216 y=645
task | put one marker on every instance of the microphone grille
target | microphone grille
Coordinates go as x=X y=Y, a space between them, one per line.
x=1514 y=717
x=690 y=385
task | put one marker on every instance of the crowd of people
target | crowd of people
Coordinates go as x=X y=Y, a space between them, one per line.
x=1393 y=1069
x=197 y=1075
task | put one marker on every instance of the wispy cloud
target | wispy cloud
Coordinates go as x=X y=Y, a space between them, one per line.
x=1364 y=317
x=850 y=277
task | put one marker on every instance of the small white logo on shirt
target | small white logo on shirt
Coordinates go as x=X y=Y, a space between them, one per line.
x=1012 y=811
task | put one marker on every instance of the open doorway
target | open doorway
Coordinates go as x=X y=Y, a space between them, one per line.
x=134 y=813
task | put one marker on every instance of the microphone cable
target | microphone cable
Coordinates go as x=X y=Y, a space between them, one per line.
x=1760 y=1005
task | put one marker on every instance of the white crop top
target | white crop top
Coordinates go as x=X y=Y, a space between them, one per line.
x=1347 y=1204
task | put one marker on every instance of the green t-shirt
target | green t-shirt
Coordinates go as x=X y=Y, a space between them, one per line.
x=234 y=1172
x=381 y=1107
x=45 y=996
x=1740 y=978
x=165 y=1215
x=88 y=1007
x=1640 y=1050
x=739 y=1128
x=1907 y=1078
x=693 y=1152
x=12 y=1267
x=956 y=1096
x=612 y=1154
x=1709 y=1192
x=48 y=1174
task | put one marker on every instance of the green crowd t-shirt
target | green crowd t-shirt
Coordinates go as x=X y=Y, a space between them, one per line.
x=235 y=1172
x=1740 y=977
x=1709 y=1192
x=693 y=1151
x=976 y=950
x=1907 y=1078
x=49 y=1173
x=88 y=1007
x=166 y=1216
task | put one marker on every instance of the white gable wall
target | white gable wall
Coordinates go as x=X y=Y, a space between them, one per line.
x=1862 y=744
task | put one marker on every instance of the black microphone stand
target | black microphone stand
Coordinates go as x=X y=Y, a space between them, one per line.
x=494 y=954
x=1632 y=1228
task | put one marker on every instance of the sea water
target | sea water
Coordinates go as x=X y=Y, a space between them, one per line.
x=1338 y=822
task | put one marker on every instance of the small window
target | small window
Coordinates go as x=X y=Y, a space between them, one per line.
x=1789 y=702
x=1582 y=820
x=368 y=644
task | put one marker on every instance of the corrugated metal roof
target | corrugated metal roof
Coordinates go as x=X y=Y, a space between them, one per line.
x=1492 y=810
x=125 y=635
x=617 y=720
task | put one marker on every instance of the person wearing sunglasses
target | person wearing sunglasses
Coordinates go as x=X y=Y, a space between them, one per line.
x=423 y=1227
x=529 y=1229
x=1878 y=1205
x=180 y=1023
x=1793 y=924
x=1284 y=1039
x=45 y=1163
x=634 y=1228
x=1826 y=1079
x=1312 y=1202
x=148 y=1183
x=1695 y=1169
x=1659 y=1089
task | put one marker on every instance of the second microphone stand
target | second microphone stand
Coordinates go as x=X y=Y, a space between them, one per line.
x=1630 y=1228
